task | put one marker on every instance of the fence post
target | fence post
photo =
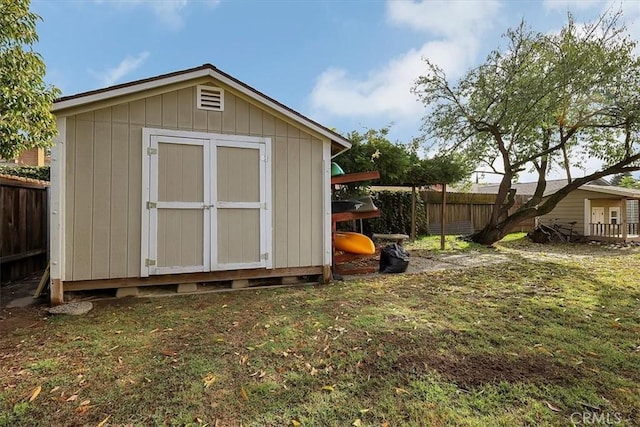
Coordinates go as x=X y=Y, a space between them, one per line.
x=413 y=212
x=443 y=221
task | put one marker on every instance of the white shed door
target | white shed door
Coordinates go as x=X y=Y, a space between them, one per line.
x=178 y=205
x=240 y=206
x=206 y=202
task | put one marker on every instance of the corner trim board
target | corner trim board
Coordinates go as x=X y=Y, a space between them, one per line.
x=57 y=203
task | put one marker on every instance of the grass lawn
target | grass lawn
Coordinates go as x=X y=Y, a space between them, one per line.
x=550 y=338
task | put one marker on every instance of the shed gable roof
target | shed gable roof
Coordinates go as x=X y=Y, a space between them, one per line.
x=190 y=74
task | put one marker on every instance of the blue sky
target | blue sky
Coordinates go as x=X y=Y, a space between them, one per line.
x=348 y=64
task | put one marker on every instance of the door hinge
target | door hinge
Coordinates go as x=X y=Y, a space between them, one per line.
x=263 y=206
x=151 y=151
x=264 y=256
x=149 y=262
x=264 y=158
x=152 y=205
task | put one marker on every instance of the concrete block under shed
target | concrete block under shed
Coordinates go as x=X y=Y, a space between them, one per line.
x=239 y=284
x=290 y=280
x=127 y=292
x=187 y=287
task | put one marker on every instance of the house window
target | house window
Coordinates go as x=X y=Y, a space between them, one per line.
x=614 y=215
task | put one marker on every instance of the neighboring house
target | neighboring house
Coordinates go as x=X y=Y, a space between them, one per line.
x=598 y=210
x=187 y=177
x=32 y=157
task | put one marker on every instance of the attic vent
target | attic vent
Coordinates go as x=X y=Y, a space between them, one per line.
x=210 y=98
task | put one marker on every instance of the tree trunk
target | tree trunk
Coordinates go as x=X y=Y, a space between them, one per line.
x=495 y=231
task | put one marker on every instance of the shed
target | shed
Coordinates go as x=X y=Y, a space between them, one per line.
x=187 y=177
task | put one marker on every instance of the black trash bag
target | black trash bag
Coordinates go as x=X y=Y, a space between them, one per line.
x=393 y=259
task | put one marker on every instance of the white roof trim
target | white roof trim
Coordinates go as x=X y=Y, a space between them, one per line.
x=204 y=72
x=617 y=191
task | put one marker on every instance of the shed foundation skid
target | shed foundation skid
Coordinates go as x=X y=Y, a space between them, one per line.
x=237 y=279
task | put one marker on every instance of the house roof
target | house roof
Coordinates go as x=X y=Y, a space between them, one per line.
x=189 y=74
x=612 y=189
x=522 y=188
x=553 y=185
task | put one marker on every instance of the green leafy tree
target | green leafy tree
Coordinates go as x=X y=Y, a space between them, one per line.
x=439 y=169
x=616 y=179
x=25 y=119
x=546 y=101
x=372 y=151
x=629 y=182
x=400 y=164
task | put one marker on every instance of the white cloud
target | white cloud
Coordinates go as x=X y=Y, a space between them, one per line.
x=386 y=89
x=450 y=19
x=169 y=12
x=126 y=66
x=564 y=5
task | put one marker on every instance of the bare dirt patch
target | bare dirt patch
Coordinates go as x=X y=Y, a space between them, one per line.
x=470 y=371
x=21 y=317
x=419 y=356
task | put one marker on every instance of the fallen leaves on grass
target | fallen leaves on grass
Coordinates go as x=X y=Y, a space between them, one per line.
x=84 y=407
x=327 y=388
x=552 y=407
x=103 y=422
x=258 y=374
x=35 y=393
x=72 y=398
x=209 y=380
x=243 y=393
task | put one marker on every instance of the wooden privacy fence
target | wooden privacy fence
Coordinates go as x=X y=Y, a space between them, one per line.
x=23 y=227
x=465 y=212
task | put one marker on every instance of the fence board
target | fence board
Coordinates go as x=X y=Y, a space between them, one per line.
x=23 y=228
x=465 y=213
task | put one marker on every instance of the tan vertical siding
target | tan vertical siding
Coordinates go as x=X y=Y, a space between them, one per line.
x=317 y=203
x=103 y=185
x=242 y=116
x=119 y=199
x=185 y=108
x=571 y=208
x=305 y=194
x=83 y=206
x=229 y=114
x=101 y=199
x=293 y=201
x=255 y=121
x=280 y=219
